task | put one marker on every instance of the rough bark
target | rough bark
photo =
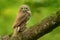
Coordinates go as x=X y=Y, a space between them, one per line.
x=38 y=30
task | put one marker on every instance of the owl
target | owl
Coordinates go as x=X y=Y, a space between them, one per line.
x=22 y=18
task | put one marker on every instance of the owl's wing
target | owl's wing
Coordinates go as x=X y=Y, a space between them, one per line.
x=19 y=19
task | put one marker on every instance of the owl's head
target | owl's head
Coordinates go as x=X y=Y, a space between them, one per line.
x=25 y=8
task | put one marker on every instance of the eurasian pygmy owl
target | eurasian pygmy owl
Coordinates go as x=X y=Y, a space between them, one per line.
x=22 y=17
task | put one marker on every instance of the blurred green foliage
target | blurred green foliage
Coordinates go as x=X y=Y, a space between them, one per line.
x=40 y=9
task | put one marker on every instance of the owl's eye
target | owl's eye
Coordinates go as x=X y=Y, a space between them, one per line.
x=26 y=8
x=21 y=8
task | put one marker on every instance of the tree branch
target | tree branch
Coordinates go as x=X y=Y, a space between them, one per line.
x=40 y=29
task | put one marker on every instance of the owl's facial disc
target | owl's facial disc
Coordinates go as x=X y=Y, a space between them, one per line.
x=25 y=8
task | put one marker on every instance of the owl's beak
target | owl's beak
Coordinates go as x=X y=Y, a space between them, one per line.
x=28 y=11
